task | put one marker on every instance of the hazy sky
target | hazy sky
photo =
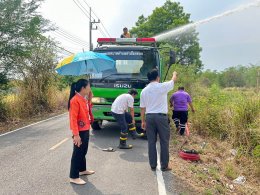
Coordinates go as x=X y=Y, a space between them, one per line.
x=226 y=42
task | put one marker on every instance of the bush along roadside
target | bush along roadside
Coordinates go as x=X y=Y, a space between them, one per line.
x=227 y=120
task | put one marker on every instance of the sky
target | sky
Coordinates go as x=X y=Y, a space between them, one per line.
x=229 y=41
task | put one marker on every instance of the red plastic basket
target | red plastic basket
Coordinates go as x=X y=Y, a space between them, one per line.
x=189 y=156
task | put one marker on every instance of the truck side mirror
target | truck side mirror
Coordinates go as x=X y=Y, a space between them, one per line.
x=172 y=57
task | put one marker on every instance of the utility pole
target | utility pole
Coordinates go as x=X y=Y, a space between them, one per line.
x=91 y=28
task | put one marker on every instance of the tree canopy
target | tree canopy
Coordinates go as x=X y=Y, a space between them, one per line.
x=170 y=16
x=20 y=24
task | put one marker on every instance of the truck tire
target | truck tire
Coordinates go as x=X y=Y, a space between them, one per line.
x=96 y=125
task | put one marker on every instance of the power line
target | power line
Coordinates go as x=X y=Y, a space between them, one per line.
x=98 y=18
x=82 y=9
x=73 y=49
x=61 y=48
x=85 y=9
x=74 y=43
x=105 y=29
x=63 y=36
x=69 y=50
x=101 y=31
x=91 y=22
x=86 y=12
x=72 y=36
x=72 y=39
x=89 y=7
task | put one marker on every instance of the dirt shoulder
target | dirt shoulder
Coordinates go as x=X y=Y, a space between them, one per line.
x=215 y=172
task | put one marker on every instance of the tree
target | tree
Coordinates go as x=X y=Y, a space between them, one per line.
x=233 y=77
x=64 y=81
x=253 y=75
x=171 y=15
x=38 y=76
x=19 y=25
x=209 y=78
x=3 y=81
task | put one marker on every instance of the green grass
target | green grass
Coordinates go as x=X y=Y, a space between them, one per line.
x=230 y=171
x=193 y=168
x=202 y=176
x=184 y=193
x=214 y=173
x=220 y=189
x=208 y=192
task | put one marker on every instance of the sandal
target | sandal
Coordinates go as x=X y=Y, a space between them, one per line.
x=77 y=181
x=86 y=173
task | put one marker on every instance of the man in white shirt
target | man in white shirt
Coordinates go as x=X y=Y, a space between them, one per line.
x=125 y=119
x=154 y=114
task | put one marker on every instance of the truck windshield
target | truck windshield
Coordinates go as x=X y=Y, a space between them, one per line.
x=129 y=64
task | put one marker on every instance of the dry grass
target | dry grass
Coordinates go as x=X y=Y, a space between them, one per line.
x=225 y=120
x=232 y=116
x=21 y=106
x=216 y=170
x=22 y=109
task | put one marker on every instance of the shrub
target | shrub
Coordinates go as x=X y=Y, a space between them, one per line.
x=2 y=108
x=26 y=104
x=228 y=115
x=256 y=151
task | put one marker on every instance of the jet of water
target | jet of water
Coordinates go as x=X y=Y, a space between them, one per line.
x=185 y=28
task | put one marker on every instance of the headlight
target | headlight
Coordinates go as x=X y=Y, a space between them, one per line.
x=98 y=100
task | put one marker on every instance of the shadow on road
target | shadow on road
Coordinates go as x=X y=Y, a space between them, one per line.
x=87 y=188
x=109 y=137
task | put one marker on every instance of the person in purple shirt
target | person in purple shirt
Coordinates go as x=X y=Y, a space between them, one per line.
x=180 y=101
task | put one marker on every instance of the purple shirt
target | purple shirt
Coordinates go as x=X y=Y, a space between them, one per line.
x=180 y=100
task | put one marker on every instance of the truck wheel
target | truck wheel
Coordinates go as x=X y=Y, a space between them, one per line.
x=96 y=125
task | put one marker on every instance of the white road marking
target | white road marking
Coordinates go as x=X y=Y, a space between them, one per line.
x=32 y=124
x=159 y=176
x=58 y=144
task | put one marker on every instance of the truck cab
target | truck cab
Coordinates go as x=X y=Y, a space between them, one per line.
x=134 y=58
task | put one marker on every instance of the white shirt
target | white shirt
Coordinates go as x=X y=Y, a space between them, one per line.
x=121 y=103
x=154 y=97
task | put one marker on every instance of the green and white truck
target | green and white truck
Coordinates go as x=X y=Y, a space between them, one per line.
x=134 y=57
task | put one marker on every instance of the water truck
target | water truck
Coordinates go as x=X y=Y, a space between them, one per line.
x=134 y=58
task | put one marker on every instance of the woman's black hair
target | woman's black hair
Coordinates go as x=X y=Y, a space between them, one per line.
x=76 y=87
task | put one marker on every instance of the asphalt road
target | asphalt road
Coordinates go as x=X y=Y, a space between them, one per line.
x=36 y=160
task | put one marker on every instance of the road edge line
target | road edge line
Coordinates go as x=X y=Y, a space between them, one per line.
x=31 y=124
x=159 y=177
x=58 y=144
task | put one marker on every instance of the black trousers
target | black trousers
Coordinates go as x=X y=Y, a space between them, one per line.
x=158 y=124
x=180 y=118
x=78 y=159
x=123 y=120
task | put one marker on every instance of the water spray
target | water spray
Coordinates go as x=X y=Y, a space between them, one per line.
x=180 y=30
